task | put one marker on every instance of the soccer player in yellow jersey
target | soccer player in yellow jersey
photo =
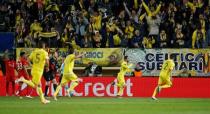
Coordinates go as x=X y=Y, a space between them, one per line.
x=38 y=58
x=68 y=74
x=121 y=76
x=165 y=76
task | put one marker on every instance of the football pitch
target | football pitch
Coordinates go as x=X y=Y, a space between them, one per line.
x=79 y=105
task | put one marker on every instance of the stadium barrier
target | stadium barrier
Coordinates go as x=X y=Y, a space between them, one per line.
x=135 y=87
x=195 y=62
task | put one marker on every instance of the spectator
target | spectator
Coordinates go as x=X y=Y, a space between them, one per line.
x=148 y=42
x=91 y=26
x=98 y=18
x=81 y=24
x=29 y=41
x=47 y=23
x=153 y=11
x=133 y=15
x=65 y=37
x=179 y=37
x=19 y=36
x=137 y=40
x=137 y=71
x=195 y=5
x=87 y=69
x=206 y=67
x=198 y=37
x=113 y=32
x=208 y=32
x=95 y=70
x=117 y=40
x=3 y=26
x=97 y=40
x=153 y=21
x=28 y=19
x=129 y=32
x=163 y=39
x=51 y=38
x=55 y=40
x=35 y=28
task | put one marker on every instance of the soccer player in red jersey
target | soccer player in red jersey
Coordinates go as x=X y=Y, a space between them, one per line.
x=10 y=71
x=21 y=65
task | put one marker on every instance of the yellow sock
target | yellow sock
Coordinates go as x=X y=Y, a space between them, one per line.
x=29 y=83
x=41 y=95
x=120 y=91
x=57 y=90
x=165 y=86
x=155 y=92
x=73 y=85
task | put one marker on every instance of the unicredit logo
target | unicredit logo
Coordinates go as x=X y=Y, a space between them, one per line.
x=100 y=89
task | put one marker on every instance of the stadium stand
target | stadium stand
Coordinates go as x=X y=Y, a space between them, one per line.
x=108 y=23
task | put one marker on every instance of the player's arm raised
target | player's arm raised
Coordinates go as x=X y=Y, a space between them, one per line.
x=124 y=65
x=130 y=66
x=80 y=55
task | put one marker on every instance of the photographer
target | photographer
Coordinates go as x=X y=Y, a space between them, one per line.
x=93 y=70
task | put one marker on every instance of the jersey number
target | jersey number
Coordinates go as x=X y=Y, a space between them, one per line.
x=37 y=59
x=165 y=68
x=19 y=66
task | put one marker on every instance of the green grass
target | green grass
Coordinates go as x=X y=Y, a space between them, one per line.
x=78 y=105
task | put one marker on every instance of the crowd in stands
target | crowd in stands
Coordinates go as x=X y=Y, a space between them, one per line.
x=108 y=23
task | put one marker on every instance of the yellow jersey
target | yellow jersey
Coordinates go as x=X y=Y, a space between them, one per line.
x=38 y=58
x=69 y=64
x=124 y=68
x=129 y=30
x=167 y=68
x=97 y=22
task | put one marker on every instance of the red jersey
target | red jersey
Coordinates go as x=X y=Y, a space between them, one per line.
x=20 y=64
x=10 y=66
x=10 y=69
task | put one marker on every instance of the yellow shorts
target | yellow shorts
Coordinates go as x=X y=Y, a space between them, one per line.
x=36 y=77
x=68 y=77
x=120 y=80
x=164 y=81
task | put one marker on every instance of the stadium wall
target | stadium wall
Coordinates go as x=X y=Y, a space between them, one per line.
x=7 y=40
x=136 y=87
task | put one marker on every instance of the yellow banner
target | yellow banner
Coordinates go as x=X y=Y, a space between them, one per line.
x=101 y=56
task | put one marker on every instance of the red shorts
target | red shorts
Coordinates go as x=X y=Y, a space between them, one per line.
x=23 y=75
